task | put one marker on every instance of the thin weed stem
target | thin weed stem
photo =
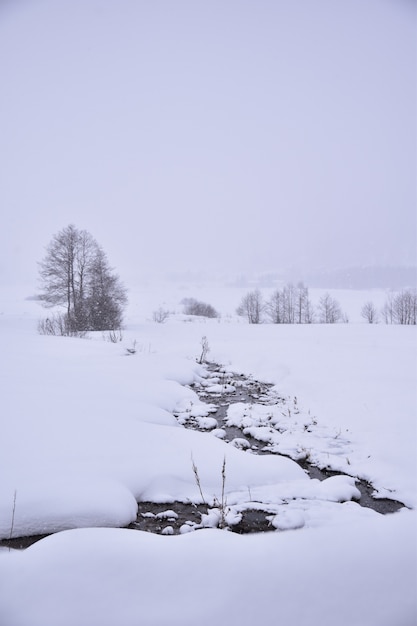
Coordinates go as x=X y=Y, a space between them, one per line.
x=197 y=480
x=13 y=515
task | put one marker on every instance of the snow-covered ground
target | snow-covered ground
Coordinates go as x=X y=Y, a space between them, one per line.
x=88 y=430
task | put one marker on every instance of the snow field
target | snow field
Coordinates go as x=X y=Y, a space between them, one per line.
x=87 y=430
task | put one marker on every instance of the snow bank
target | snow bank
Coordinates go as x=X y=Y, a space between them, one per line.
x=362 y=574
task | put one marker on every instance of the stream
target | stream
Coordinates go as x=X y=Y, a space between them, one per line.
x=221 y=390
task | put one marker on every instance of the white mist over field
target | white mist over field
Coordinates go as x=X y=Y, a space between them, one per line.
x=89 y=430
x=251 y=136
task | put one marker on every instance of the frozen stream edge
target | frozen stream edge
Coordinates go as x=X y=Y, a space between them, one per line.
x=252 y=391
x=220 y=390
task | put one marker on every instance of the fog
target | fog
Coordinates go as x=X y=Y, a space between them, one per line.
x=224 y=136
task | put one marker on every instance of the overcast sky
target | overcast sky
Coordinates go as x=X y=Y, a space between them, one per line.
x=250 y=135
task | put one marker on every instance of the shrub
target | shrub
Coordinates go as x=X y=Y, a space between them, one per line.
x=59 y=324
x=160 y=315
x=202 y=309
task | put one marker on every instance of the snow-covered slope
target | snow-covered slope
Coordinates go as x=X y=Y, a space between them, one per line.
x=87 y=430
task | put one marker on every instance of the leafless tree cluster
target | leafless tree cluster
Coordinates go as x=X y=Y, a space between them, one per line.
x=289 y=305
x=195 y=307
x=401 y=307
x=75 y=274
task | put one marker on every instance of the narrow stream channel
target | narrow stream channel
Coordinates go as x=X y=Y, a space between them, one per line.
x=178 y=517
x=226 y=390
x=255 y=392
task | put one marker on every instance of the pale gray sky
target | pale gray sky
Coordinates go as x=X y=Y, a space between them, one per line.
x=191 y=134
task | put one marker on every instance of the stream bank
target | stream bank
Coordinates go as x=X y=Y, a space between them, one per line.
x=230 y=388
x=224 y=391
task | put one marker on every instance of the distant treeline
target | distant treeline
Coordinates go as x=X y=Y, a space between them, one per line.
x=292 y=305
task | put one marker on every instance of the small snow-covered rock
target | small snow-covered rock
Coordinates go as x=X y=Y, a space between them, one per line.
x=221 y=388
x=201 y=410
x=210 y=519
x=261 y=433
x=186 y=528
x=339 y=489
x=167 y=515
x=240 y=443
x=207 y=423
x=220 y=433
x=233 y=517
x=288 y=520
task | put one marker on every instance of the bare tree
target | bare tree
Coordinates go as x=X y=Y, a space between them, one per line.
x=309 y=312
x=304 y=308
x=75 y=274
x=388 y=309
x=251 y=306
x=57 y=270
x=289 y=303
x=329 y=310
x=274 y=307
x=370 y=313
